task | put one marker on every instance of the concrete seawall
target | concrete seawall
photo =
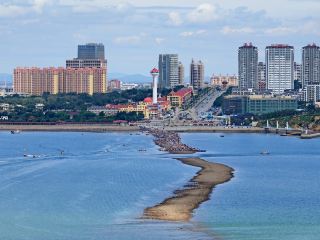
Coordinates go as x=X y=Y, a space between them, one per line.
x=214 y=129
x=69 y=128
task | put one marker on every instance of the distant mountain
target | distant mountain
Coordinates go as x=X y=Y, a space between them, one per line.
x=5 y=78
x=130 y=78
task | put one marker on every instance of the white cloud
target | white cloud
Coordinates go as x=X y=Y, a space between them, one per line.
x=175 y=18
x=193 y=33
x=12 y=10
x=128 y=40
x=159 y=40
x=281 y=30
x=203 y=13
x=38 y=5
x=229 y=30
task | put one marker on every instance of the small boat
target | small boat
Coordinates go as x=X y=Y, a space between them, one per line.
x=284 y=135
x=31 y=156
x=142 y=150
x=15 y=131
x=264 y=153
x=221 y=135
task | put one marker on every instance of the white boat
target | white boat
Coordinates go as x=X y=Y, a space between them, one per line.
x=264 y=153
x=15 y=131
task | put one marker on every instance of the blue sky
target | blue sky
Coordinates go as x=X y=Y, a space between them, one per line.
x=47 y=32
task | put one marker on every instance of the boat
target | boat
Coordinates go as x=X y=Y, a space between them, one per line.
x=142 y=150
x=15 y=131
x=265 y=153
x=221 y=135
x=284 y=135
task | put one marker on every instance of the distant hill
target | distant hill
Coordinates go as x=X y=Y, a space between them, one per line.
x=5 y=78
x=130 y=78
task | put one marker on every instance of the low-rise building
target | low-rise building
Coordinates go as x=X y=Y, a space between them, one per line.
x=258 y=104
x=177 y=99
x=146 y=107
x=114 y=84
x=224 y=81
x=128 y=86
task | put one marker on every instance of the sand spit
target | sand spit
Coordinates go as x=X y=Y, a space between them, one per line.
x=181 y=206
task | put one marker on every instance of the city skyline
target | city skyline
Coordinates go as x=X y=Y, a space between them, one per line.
x=43 y=32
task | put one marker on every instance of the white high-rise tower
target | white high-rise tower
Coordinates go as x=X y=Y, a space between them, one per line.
x=155 y=74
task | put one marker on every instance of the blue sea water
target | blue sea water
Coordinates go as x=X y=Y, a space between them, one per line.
x=96 y=185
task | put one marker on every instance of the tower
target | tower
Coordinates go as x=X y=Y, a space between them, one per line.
x=279 y=67
x=248 y=66
x=311 y=65
x=196 y=75
x=168 y=70
x=155 y=73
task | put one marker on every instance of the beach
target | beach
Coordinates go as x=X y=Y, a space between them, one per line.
x=181 y=205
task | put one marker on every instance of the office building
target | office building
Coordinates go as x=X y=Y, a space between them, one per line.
x=91 y=51
x=196 y=75
x=279 y=68
x=311 y=65
x=248 y=66
x=89 y=55
x=168 y=70
x=36 y=81
x=257 y=104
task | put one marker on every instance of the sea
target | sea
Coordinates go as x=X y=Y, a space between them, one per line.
x=95 y=186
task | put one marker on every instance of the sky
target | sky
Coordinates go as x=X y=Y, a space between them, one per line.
x=45 y=33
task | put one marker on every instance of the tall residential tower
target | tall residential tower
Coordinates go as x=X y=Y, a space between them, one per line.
x=248 y=66
x=279 y=67
x=168 y=70
x=311 y=65
x=196 y=75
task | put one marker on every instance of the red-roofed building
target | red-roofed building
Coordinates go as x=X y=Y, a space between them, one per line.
x=176 y=99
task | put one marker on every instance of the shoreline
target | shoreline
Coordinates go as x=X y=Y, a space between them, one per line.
x=181 y=205
x=70 y=128
x=109 y=128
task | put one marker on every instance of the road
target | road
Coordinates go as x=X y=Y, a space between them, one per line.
x=203 y=104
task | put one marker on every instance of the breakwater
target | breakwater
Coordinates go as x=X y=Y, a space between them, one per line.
x=171 y=142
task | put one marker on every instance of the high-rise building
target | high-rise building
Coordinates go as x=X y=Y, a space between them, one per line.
x=279 y=67
x=248 y=66
x=37 y=81
x=89 y=55
x=91 y=51
x=181 y=74
x=261 y=76
x=196 y=75
x=168 y=70
x=311 y=65
x=297 y=75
